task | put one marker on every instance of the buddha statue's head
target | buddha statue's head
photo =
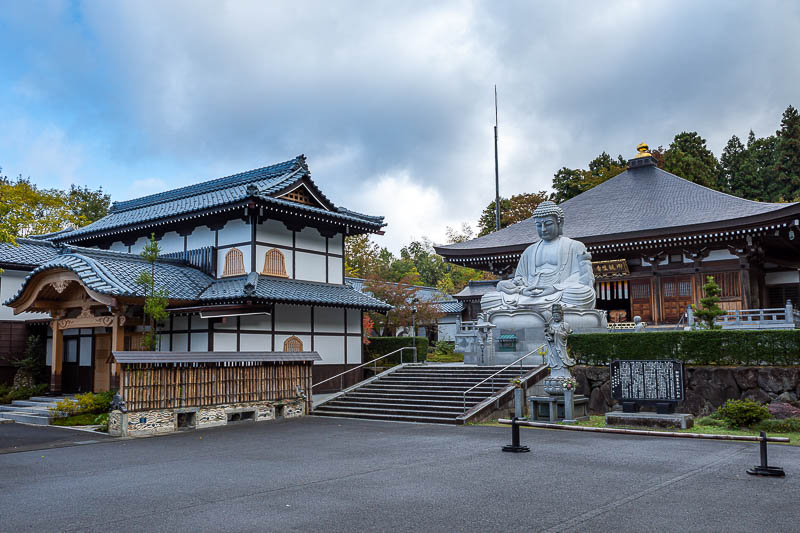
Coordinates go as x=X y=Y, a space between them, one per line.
x=549 y=219
x=558 y=312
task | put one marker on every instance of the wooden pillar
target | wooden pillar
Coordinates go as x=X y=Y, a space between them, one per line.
x=744 y=278
x=56 y=357
x=117 y=345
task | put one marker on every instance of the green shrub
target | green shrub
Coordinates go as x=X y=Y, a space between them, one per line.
x=707 y=347
x=445 y=347
x=379 y=346
x=742 y=413
x=710 y=421
x=87 y=403
x=7 y=395
x=773 y=425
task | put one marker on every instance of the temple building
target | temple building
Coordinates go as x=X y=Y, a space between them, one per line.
x=253 y=263
x=654 y=237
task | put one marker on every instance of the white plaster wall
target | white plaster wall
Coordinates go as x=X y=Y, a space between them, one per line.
x=180 y=342
x=446 y=331
x=331 y=349
x=171 y=242
x=236 y=230
x=273 y=232
x=224 y=342
x=10 y=283
x=256 y=322
x=200 y=238
x=335 y=244
x=221 y=259
x=328 y=320
x=251 y=342
x=335 y=270
x=781 y=278
x=310 y=239
x=200 y=342
x=199 y=323
x=118 y=247
x=719 y=255
x=310 y=267
x=292 y=318
x=353 y=321
x=305 y=339
x=354 y=351
x=262 y=253
x=138 y=246
x=180 y=322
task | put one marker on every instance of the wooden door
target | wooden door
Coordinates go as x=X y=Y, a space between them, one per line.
x=102 y=362
x=640 y=299
x=677 y=295
x=70 y=379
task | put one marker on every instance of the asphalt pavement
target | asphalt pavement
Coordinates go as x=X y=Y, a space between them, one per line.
x=325 y=474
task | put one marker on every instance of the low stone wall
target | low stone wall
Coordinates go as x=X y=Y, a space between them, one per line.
x=154 y=421
x=706 y=387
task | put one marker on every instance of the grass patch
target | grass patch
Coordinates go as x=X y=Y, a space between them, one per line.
x=454 y=357
x=701 y=425
x=86 y=419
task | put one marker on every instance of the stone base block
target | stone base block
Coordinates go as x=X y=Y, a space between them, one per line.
x=651 y=420
x=154 y=421
x=551 y=408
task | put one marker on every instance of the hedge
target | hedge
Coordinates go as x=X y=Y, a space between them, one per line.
x=379 y=346
x=715 y=347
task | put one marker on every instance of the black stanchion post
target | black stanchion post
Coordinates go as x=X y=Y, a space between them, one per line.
x=515 y=446
x=764 y=469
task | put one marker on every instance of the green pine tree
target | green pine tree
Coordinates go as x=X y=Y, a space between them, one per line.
x=711 y=309
x=689 y=158
x=787 y=155
x=156 y=300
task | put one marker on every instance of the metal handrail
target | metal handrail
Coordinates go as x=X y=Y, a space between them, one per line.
x=374 y=361
x=464 y=395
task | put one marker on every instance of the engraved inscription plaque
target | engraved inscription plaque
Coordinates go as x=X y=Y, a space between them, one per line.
x=647 y=381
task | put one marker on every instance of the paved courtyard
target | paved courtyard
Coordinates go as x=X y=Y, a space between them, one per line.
x=322 y=474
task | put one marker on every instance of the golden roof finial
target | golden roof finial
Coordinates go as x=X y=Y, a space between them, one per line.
x=644 y=150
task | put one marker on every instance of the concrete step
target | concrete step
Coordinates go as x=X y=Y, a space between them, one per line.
x=389 y=411
x=434 y=401
x=388 y=387
x=394 y=418
x=50 y=399
x=6 y=421
x=394 y=406
x=40 y=411
x=28 y=403
x=26 y=418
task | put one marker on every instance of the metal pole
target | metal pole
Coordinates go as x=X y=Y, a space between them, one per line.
x=496 y=170
x=414 y=331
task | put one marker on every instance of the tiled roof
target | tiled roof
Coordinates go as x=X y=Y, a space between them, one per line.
x=261 y=183
x=445 y=302
x=280 y=290
x=28 y=253
x=639 y=199
x=115 y=273
x=477 y=288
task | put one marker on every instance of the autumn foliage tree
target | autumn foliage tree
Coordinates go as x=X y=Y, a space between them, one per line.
x=403 y=296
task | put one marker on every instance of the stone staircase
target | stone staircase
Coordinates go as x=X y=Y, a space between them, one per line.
x=418 y=393
x=34 y=410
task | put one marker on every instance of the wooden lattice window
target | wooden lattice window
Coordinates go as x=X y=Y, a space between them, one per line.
x=274 y=264
x=301 y=196
x=234 y=263
x=293 y=344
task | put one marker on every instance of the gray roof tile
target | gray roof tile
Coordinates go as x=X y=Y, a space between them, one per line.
x=28 y=253
x=640 y=199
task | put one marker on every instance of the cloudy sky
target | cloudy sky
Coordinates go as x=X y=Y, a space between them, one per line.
x=391 y=102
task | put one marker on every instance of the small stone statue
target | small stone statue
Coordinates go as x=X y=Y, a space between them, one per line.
x=117 y=404
x=556 y=332
x=638 y=327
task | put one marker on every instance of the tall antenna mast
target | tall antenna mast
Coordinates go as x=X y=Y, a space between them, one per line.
x=496 y=171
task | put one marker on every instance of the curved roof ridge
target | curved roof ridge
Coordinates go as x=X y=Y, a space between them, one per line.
x=102 y=272
x=212 y=185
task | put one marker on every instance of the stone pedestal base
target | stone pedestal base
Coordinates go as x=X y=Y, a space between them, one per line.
x=651 y=420
x=552 y=408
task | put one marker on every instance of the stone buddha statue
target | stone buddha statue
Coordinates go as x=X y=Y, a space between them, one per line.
x=553 y=270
